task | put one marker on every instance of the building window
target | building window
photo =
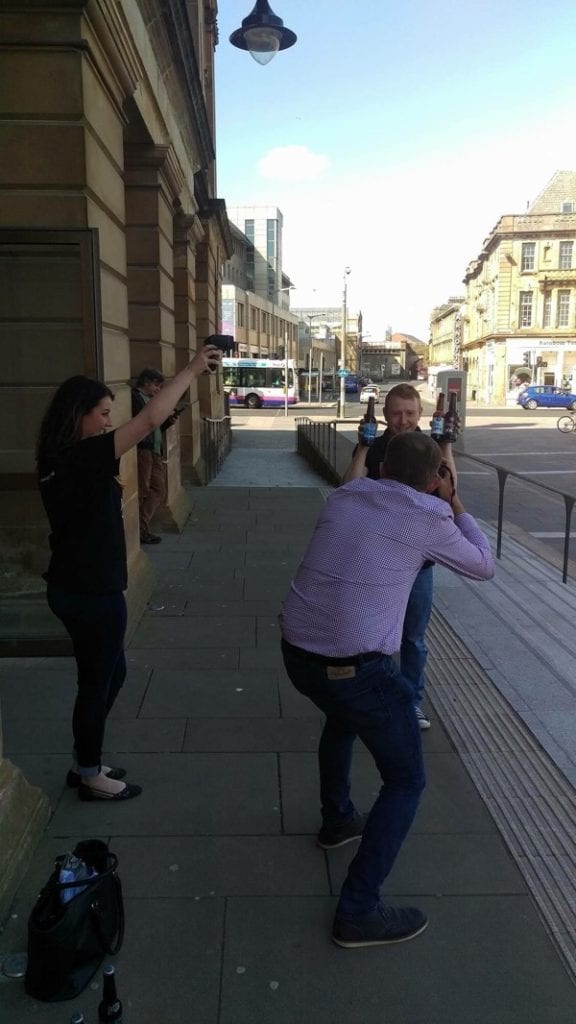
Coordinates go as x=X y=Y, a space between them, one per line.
x=271 y=240
x=249 y=232
x=252 y=318
x=528 y=256
x=567 y=206
x=547 y=316
x=563 y=308
x=264 y=322
x=566 y=255
x=240 y=314
x=272 y=255
x=525 y=310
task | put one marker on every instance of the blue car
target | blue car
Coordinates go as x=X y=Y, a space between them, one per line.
x=546 y=395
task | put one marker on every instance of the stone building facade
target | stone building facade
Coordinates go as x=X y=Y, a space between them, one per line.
x=320 y=336
x=518 y=317
x=445 y=347
x=111 y=246
x=254 y=311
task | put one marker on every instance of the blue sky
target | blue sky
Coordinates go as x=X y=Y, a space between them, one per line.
x=393 y=137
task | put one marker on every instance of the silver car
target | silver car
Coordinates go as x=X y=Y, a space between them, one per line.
x=370 y=391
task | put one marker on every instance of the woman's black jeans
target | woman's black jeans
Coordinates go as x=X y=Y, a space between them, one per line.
x=97 y=626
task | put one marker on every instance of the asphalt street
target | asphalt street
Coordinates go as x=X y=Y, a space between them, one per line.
x=523 y=442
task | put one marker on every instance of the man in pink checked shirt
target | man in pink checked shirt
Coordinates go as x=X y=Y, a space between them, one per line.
x=341 y=623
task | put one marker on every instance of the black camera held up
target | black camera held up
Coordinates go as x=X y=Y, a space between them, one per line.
x=225 y=342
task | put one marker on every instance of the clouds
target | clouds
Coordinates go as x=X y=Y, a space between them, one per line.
x=292 y=163
x=408 y=226
x=409 y=232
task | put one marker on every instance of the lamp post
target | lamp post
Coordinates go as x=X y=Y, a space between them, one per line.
x=311 y=317
x=263 y=33
x=286 y=368
x=342 y=400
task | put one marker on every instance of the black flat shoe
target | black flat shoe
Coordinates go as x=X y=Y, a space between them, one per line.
x=73 y=779
x=91 y=793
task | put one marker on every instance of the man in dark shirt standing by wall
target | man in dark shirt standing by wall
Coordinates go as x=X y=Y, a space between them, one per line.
x=402 y=412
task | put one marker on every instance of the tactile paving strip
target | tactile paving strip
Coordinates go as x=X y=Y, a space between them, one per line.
x=530 y=800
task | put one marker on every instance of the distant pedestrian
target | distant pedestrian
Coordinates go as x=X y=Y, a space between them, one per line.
x=341 y=624
x=78 y=466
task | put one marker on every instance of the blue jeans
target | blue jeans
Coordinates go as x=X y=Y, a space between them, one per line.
x=413 y=651
x=96 y=624
x=376 y=705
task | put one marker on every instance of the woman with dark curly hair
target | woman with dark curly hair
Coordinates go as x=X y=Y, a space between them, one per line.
x=78 y=463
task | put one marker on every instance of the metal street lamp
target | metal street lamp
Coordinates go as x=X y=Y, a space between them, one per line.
x=311 y=317
x=263 y=33
x=286 y=368
x=343 y=332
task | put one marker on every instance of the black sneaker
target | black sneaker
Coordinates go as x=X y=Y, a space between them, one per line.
x=150 y=538
x=382 y=927
x=331 y=838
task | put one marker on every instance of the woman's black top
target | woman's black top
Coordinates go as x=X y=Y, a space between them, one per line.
x=83 y=502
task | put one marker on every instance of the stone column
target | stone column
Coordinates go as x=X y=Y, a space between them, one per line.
x=208 y=264
x=152 y=182
x=188 y=232
x=61 y=136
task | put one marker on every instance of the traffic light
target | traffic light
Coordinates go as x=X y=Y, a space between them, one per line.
x=526 y=359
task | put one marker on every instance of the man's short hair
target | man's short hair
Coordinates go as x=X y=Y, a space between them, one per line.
x=403 y=391
x=412 y=458
x=149 y=376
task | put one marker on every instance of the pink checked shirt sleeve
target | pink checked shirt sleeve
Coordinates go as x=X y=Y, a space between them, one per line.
x=350 y=592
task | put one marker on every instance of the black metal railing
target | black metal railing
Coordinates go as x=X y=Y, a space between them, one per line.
x=318 y=442
x=329 y=453
x=215 y=443
x=502 y=474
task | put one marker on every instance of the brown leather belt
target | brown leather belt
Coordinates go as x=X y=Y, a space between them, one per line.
x=323 y=659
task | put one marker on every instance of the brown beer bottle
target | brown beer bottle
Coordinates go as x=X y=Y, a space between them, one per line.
x=450 y=419
x=110 y=1009
x=369 y=424
x=437 y=424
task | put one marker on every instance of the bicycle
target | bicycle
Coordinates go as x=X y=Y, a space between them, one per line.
x=566 y=424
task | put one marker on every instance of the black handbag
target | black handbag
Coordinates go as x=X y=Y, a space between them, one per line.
x=68 y=941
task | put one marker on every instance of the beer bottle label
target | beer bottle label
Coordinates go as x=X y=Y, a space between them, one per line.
x=369 y=432
x=449 y=427
x=437 y=426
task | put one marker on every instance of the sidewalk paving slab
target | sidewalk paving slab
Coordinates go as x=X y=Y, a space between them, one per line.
x=229 y=902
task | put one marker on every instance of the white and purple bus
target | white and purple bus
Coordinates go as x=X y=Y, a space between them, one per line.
x=257 y=383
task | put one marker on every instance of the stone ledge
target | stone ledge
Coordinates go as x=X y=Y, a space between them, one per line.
x=24 y=813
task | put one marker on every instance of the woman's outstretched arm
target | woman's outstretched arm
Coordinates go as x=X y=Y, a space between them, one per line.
x=159 y=408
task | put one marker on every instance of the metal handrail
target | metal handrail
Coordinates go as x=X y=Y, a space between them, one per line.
x=503 y=474
x=309 y=435
x=215 y=443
